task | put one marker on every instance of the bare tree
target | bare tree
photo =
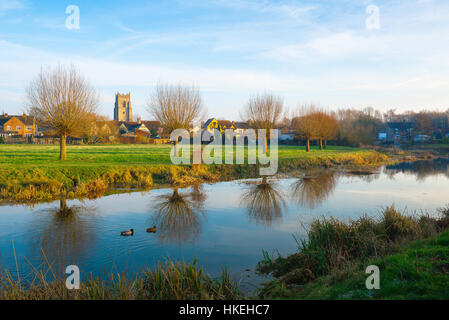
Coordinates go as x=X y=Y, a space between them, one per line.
x=264 y=111
x=63 y=100
x=176 y=106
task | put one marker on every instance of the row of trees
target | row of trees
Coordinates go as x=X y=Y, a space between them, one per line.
x=314 y=123
x=67 y=103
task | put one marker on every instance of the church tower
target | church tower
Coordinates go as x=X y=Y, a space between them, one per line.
x=123 y=110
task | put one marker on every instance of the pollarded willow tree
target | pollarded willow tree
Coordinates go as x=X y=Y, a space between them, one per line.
x=176 y=106
x=63 y=100
x=264 y=111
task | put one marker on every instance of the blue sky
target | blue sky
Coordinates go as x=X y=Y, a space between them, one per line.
x=308 y=51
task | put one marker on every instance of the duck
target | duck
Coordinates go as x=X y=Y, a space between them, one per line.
x=126 y=233
x=152 y=229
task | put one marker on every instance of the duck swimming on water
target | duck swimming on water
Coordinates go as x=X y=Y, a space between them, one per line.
x=126 y=233
x=152 y=229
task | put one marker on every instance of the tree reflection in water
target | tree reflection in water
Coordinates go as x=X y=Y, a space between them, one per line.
x=198 y=197
x=178 y=216
x=64 y=234
x=264 y=202
x=314 y=187
x=421 y=169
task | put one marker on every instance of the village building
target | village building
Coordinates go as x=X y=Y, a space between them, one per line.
x=123 y=110
x=226 y=125
x=15 y=125
x=133 y=128
x=220 y=125
x=241 y=127
x=155 y=127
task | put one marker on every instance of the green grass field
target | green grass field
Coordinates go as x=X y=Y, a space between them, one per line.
x=35 y=173
x=87 y=155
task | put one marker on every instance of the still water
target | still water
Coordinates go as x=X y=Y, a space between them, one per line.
x=227 y=223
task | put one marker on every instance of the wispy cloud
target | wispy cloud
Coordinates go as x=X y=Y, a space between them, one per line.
x=290 y=8
x=6 y=5
x=307 y=50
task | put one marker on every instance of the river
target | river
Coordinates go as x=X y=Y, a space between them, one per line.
x=227 y=223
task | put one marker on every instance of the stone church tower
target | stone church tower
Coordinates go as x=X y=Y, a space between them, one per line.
x=123 y=110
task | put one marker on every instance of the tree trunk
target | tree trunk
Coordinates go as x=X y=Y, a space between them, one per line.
x=265 y=146
x=62 y=149
x=308 y=145
x=321 y=144
x=325 y=144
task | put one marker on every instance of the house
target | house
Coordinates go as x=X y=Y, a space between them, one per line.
x=154 y=127
x=14 y=125
x=226 y=125
x=210 y=125
x=395 y=131
x=241 y=127
x=133 y=128
x=220 y=125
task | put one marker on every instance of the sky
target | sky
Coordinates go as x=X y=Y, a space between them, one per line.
x=339 y=54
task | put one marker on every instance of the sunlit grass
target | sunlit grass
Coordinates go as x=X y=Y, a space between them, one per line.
x=34 y=173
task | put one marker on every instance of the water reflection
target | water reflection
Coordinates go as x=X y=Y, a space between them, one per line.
x=314 y=187
x=198 y=197
x=63 y=235
x=264 y=202
x=70 y=235
x=421 y=169
x=178 y=216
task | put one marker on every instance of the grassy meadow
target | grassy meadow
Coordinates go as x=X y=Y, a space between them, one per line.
x=137 y=154
x=34 y=173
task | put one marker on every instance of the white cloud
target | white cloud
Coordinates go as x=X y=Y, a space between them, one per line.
x=273 y=47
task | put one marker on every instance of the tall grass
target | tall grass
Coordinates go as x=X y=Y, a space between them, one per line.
x=332 y=245
x=168 y=280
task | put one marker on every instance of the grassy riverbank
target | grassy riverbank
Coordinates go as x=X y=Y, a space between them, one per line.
x=411 y=252
x=33 y=173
